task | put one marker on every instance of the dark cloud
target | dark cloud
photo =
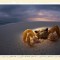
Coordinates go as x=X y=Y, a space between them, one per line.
x=24 y=12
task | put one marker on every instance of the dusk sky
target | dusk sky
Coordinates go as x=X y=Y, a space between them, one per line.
x=25 y=13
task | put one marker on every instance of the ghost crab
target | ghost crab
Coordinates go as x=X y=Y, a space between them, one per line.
x=31 y=37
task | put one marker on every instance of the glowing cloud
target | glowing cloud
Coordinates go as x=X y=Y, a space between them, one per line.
x=45 y=15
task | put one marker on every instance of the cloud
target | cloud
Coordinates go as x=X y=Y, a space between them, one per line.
x=31 y=12
x=4 y=15
x=23 y=12
x=37 y=13
x=45 y=15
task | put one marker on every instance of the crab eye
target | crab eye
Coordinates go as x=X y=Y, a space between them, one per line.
x=36 y=31
x=46 y=29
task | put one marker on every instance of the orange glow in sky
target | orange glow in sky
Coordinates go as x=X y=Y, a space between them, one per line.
x=44 y=16
x=39 y=19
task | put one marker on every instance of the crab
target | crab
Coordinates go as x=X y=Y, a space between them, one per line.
x=31 y=37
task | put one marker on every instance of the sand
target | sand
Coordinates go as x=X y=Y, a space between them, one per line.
x=11 y=40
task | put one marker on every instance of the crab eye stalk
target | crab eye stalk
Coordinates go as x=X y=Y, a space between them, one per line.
x=46 y=29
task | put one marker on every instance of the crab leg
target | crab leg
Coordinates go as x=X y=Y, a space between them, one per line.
x=53 y=29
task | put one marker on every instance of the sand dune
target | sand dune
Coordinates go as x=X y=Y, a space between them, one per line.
x=11 y=42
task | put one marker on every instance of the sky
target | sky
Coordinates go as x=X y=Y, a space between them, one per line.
x=24 y=13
